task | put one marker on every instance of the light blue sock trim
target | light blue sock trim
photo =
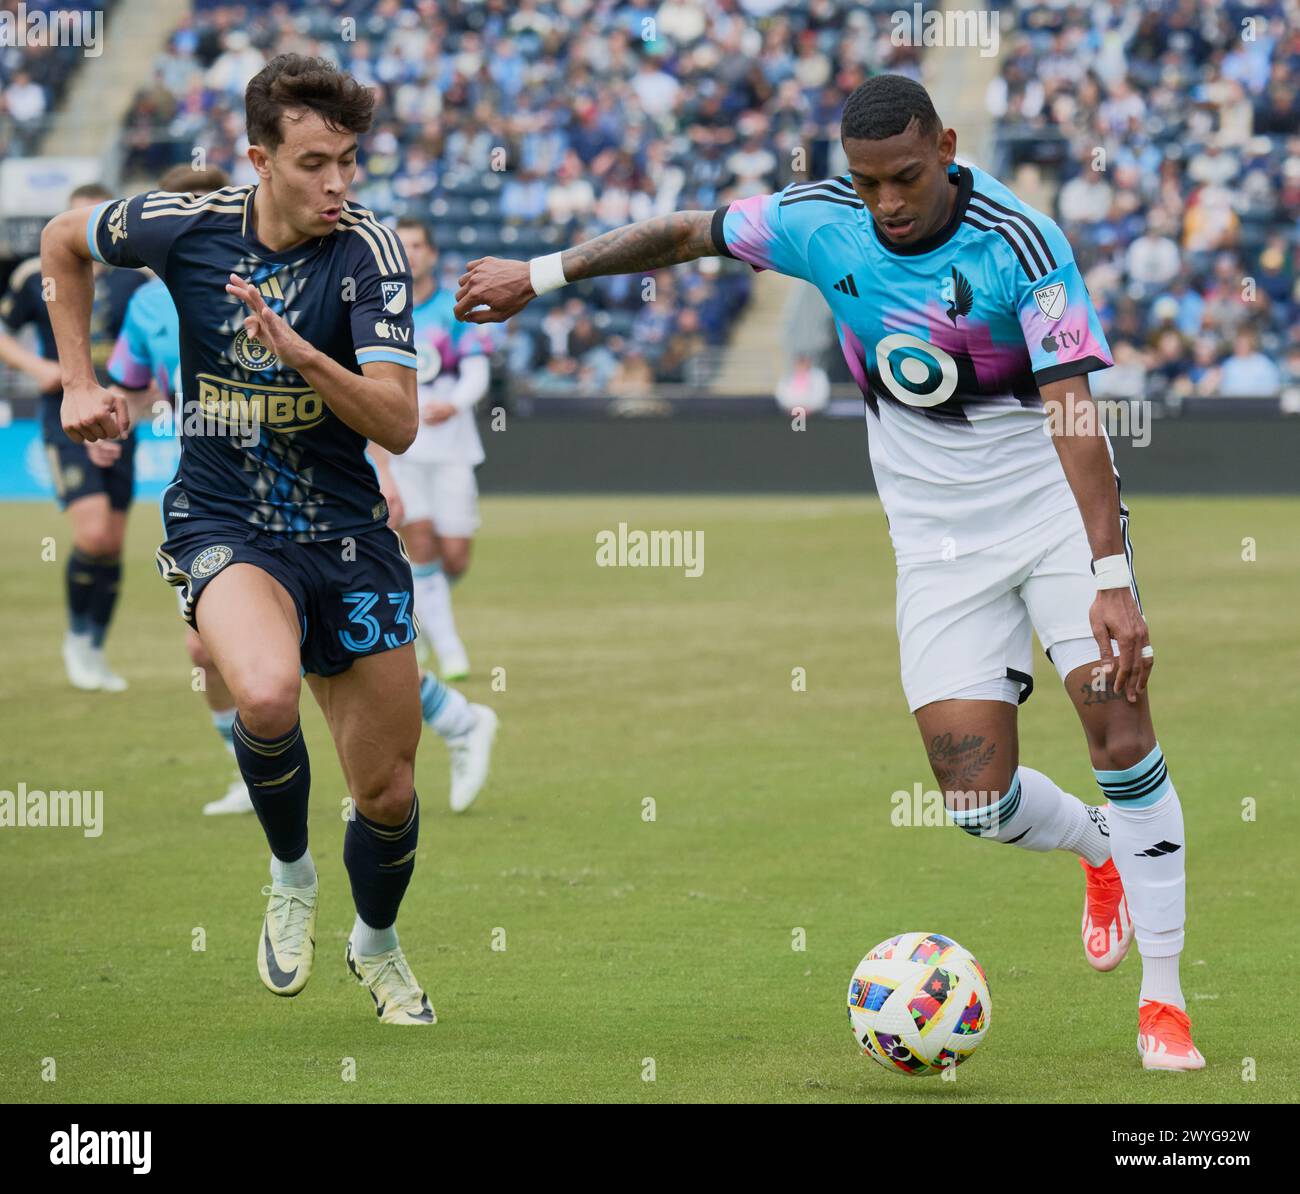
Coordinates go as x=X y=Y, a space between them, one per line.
x=433 y=695
x=975 y=820
x=1139 y=786
x=224 y=724
x=423 y=570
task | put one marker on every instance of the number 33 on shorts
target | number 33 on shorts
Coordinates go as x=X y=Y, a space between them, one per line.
x=364 y=627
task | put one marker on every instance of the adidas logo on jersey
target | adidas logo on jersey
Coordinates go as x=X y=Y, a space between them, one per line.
x=846 y=285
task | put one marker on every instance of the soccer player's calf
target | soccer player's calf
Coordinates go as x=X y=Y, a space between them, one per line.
x=251 y=625
x=1132 y=852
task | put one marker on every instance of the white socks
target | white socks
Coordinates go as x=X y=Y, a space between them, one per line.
x=1141 y=829
x=1035 y=814
x=368 y=942
x=445 y=710
x=1146 y=829
x=433 y=608
x=301 y=873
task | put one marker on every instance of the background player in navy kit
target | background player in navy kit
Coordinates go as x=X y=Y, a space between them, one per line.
x=294 y=331
x=964 y=319
x=93 y=484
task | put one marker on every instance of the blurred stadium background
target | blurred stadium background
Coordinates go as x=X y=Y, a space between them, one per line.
x=625 y=682
x=1163 y=136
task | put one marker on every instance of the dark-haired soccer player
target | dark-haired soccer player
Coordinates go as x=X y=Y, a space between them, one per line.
x=147 y=358
x=966 y=323
x=93 y=484
x=295 y=350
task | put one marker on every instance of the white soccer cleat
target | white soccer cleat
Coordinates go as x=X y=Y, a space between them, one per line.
x=79 y=662
x=236 y=800
x=454 y=662
x=399 y=999
x=287 y=945
x=109 y=680
x=1165 y=1038
x=471 y=756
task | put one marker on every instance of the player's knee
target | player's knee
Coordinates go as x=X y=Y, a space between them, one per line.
x=386 y=796
x=268 y=705
x=974 y=786
x=99 y=542
x=1120 y=747
x=198 y=652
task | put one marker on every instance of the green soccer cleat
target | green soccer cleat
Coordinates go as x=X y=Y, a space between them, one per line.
x=398 y=997
x=287 y=943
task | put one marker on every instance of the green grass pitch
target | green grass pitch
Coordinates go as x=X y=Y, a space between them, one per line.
x=628 y=939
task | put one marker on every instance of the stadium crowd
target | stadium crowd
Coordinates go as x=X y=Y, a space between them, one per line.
x=1179 y=125
x=34 y=73
x=523 y=126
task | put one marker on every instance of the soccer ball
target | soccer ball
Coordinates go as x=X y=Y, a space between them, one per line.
x=919 y=1004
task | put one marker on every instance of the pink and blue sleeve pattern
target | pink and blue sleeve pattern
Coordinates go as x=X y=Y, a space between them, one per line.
x=758 y=231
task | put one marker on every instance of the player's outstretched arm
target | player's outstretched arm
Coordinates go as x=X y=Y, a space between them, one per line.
x=89 y=411
x=507 y=287
x=1086 y=461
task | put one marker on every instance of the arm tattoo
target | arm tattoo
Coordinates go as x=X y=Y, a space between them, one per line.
x=956 y=764
x=646 y=245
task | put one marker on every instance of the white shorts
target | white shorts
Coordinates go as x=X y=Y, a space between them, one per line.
x=443 y=494
x=965 y=625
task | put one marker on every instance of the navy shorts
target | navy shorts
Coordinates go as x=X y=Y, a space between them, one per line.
x=354 y=596
x=75 y=477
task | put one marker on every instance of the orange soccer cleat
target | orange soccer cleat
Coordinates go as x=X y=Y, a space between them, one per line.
x=1165 y=1038
x=1107 y=926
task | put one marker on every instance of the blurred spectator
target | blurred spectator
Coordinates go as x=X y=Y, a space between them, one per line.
x=1086 y=198
x=633 y=378
x=1248 y=373
x=805 y=386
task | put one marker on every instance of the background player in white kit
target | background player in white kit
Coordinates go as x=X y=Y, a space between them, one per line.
x=435 y=476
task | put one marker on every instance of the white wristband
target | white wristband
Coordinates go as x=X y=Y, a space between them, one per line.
x=1112 y=572
x=546 y=273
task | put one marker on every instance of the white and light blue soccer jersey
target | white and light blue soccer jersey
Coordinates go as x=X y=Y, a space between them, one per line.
x=148 y=347
x=442 y=342
x=949 y=340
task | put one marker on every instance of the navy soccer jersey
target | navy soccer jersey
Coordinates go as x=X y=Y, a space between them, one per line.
x=949 y=340
x=24 y=303
x=302 y=473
